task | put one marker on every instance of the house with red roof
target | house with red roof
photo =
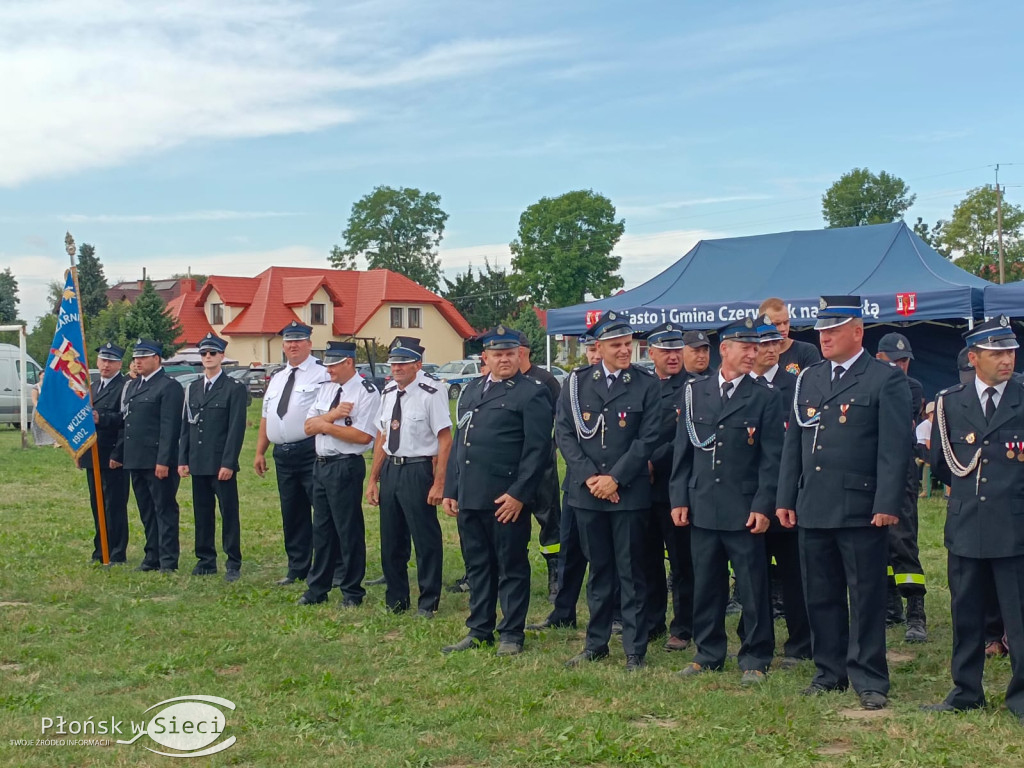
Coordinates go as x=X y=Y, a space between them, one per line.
x=249 y=312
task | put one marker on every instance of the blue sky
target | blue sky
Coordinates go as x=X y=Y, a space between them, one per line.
x=227 y=137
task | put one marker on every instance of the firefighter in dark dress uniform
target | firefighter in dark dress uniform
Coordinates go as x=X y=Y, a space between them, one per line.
x=106 y=414
x=842 y=480
x=665 y=347
x=607 y=426
x=978 y=450
x=152 y=406
x=724 y=481
x=906 y=574
x=496 y=462
x=211 y=438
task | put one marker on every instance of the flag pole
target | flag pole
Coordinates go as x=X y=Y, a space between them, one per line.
x=101 y=514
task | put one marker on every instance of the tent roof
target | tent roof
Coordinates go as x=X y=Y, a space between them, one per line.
x=1004 y=300
x=735 y=274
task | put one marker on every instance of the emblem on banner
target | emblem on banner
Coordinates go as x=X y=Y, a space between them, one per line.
x=906 y=304
x=592 y=316
x=65 y=361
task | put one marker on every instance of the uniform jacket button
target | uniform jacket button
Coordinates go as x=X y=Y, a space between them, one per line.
x=817 y=469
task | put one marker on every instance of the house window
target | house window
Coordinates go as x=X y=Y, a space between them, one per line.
x=396 y=317
x=216 y=314
x=414 y=317
x=318 y=314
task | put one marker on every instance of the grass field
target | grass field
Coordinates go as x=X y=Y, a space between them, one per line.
x=324 y=686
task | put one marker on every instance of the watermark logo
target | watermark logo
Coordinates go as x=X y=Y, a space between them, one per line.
x=187 y=724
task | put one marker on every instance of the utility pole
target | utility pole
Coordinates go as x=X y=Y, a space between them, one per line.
x=999 y=227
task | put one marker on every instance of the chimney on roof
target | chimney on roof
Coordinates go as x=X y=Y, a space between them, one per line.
x=186 y=285
x=142 y=282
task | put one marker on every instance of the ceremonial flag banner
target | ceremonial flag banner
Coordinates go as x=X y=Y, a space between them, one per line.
x=64 y=408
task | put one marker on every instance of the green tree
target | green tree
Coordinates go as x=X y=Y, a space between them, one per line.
x=564 y=249
x=861 y=197
x=396 y=229
x=525 y=319
x=92 y=283
x=9 y=299
x=931 y=235
x=40 y=338
x=483 y=298
x=971 y=235
x=200 y=279
x=147 y=319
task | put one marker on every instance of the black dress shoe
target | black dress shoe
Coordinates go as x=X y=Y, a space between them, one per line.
x=549 y=624
x=233 y=574
x=461 y=585
x=634 y=662
x=198 y=571
x=817 y=689
x=286 y=581
x=465 y=644
x=424 y=613
x=375 y=582
x=307 y=600
x=509 y=649
x=945 y=706
x=873 y=700
x=168 y=570
x=146 y=567
x=587 y=655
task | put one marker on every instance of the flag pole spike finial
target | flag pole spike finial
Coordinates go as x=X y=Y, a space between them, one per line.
x=69 y=246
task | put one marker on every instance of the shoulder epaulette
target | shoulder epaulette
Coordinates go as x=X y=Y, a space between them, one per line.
x=368 y=385
x=426 y=387
x=819 y=362
x=695 y=377
x=582 y=368
x=641 y=369
x=431 y=376
x=390 y=388
x=954 y=388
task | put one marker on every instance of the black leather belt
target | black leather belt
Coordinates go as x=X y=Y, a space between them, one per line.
x=337 y=457
x=309 y=441
x=400 y=460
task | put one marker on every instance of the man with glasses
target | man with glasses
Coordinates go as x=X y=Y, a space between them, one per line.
x=289 y=395
x=211 y=439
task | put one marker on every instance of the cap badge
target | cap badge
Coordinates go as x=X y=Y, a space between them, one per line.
x=138 y=341
x=822 y=303
x=900 y=344
x=668 y=327
x=500 y=330
x=1004 y=320
x=700 y=336
x=611 y=316
x=749 y=323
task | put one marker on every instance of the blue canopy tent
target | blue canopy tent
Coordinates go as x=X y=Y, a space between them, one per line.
x=900 y=278
x=1004 y=300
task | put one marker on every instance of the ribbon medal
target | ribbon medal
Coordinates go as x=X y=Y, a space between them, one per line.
x=750 y=435
x=843 y=408
x=622 y=418
x=970 y=438
x=1015 y=451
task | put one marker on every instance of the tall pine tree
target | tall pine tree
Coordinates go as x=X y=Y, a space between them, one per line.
x=92 y=283
x=147 y=319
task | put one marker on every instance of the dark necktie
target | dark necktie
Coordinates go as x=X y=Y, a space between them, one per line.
x=990 y=404
x=209 y=386
x=611 y=380
x=761 y=379
x=336 y=400
x=487 y=385
x=286 y=394
x=726 y=389
x=837 y=374
x=395 y=434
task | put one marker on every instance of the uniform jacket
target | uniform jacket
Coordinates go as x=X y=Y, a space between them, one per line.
x=110 y=428
x=213 y=438
x=785 y=384
x=661 y=459
x=722 y=487
x=844 y=472
x=502 y=444
x=985 y=516
x=632 y=412
x=152 y=421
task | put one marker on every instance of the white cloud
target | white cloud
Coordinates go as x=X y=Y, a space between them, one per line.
x=151 y=218
x=672 y=205
x=90 y=84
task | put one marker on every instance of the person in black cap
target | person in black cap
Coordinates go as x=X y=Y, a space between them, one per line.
x=341 y=421
x=211 y=439
x=496 y=463
x=410 y=458
x=696 y=352
x=794 y=355
x=724 y=481
x=781 y=544
x=907 y=576
x=843 y=475
x=607 y=426
x=289 y=395
x=977 y=448
x=152 y=407
x=106 y=414
x=546 y=504
x=665 y=346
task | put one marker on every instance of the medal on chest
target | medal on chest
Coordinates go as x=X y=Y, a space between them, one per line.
x=622 y=419
x=842 y=410
x=750 y=435
x=970 y=438
x=1015 y=451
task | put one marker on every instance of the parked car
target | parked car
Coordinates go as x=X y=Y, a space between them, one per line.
x=431 y=368
x=557 y=372
x=11 y=381
x=457 y=374
x=379 y=375
x=255 y=380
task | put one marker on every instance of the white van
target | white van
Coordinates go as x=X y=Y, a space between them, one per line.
x=10 y=376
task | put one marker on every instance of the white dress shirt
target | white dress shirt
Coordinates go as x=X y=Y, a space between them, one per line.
x=735 y=383
x=846 y=366
x=365 y=405
x=981 y=386
x=308 y=378
x=424 y=414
